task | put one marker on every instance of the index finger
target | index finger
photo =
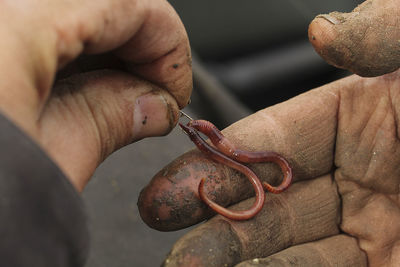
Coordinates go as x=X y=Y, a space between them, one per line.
x=43 y=36
x=147 y=35
x=302 y=129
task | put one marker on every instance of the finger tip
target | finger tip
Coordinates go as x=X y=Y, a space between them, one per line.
x=152 y=211
x=325 y=37
x=184 y=98
x=170 y=201
x=180 y=77
x=172 y=71
x=321 y=33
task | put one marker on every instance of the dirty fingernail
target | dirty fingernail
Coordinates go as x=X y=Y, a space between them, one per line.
x=154 y=114
x=321 y=33
x=329 y=18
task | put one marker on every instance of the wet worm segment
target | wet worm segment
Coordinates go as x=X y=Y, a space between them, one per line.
x=221 y=158
x=228 y=149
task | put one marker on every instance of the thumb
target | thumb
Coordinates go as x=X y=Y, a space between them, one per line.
x=93 y=114
x=365 y=41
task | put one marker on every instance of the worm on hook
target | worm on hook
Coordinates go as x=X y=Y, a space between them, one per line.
x=228 y=149
x=221 y=158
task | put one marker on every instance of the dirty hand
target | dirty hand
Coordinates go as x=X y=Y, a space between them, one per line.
x=343 y=209
x=80 y=119
x=365 y=41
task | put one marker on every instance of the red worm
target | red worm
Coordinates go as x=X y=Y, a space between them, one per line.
x=229 y=150
x=221 y=158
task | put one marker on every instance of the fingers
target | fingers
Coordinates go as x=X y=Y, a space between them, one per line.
x=93 y=114
x=364 y=41
x=302 y=129
x=147 y=35
x=308 y=212
x=160 y=52
x=338 y=250
x=45 y=35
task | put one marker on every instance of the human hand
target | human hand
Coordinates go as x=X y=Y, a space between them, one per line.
x=365 y=41
x=342 y=142
x=84 y=117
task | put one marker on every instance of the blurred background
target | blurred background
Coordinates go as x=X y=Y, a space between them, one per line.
x=247 y=55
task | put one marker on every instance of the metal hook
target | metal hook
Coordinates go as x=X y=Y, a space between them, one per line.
x=185 y=115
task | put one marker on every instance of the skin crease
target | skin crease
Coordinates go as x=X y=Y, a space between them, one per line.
x=341 y=139
x=83 y=118
x=359 y=142
x=352 y=40
x=343 y=136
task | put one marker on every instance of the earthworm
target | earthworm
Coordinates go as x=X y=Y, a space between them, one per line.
x=221 y=158
x=228 y=149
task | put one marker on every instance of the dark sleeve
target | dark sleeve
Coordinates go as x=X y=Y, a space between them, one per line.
x=42 y=218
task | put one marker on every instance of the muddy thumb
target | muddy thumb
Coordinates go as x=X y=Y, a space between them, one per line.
x=91 y=115
x=364 y=41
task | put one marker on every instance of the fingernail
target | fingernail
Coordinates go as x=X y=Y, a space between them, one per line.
x=328 y=17
x=321 y=33
x=153 y=115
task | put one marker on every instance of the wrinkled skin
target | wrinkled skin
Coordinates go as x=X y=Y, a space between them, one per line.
x=342 y=140
x=365 y=41
x=125 y=67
